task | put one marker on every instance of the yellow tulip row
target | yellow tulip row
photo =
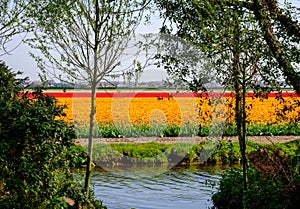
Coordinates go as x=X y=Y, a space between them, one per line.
x=181 y=110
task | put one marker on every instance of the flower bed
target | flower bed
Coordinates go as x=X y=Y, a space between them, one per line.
x=176 y=109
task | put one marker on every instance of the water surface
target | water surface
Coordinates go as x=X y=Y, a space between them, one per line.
x=156 y=187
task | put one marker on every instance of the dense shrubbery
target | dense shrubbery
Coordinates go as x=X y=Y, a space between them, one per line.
x=273 y=182
x=36 y=150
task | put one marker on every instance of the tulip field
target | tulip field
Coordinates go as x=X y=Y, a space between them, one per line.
x=177 y=109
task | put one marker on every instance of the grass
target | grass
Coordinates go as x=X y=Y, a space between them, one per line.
x=208 y=152
x=111 y=130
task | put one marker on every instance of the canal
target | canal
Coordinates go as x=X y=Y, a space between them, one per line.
x=157 y=187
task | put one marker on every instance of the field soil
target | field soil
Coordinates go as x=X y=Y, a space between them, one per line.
x=193 y=140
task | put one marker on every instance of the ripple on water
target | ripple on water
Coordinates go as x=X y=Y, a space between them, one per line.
x=139 y=189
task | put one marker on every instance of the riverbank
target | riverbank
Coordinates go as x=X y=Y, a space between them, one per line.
x=183 y=150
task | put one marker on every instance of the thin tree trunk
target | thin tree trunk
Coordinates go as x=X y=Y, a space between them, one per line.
x=243 y=134
x=240 y=122
x=91 y=142
x=240 y=94
x=241 y=128
x=93 y=101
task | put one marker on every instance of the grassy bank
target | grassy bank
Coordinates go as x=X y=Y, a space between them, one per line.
x=207 y=151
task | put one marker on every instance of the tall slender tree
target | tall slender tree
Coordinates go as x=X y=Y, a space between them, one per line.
x=230 y=37
x=280 y=28
x=84 y=44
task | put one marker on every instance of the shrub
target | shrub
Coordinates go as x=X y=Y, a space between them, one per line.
x=230 y=192
x=273 y=182
x=36 y=150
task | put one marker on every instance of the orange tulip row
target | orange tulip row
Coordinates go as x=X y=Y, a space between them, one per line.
x=181 y=110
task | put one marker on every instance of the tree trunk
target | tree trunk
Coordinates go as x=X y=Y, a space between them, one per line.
x=93 y=100
x=292 y=76
x=261 y=11
x=91 y=142
x=240 y=118
x=241 y=129
x=243 y=134
x=238 y=78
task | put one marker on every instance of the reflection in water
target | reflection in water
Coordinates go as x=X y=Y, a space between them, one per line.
x=147 y=187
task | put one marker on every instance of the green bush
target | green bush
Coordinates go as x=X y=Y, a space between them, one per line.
x=273 y=182
x=230 y=192
x=36 y=150
x=264 y=193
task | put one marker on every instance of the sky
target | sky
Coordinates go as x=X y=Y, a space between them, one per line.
x=19 y=59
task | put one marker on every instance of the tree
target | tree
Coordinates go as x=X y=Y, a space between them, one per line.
x=10 y=21
x=287 y=52
x=37 y=151
x=85 y=43
x=279 y=28
x=230 y=37
x=281 y=31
